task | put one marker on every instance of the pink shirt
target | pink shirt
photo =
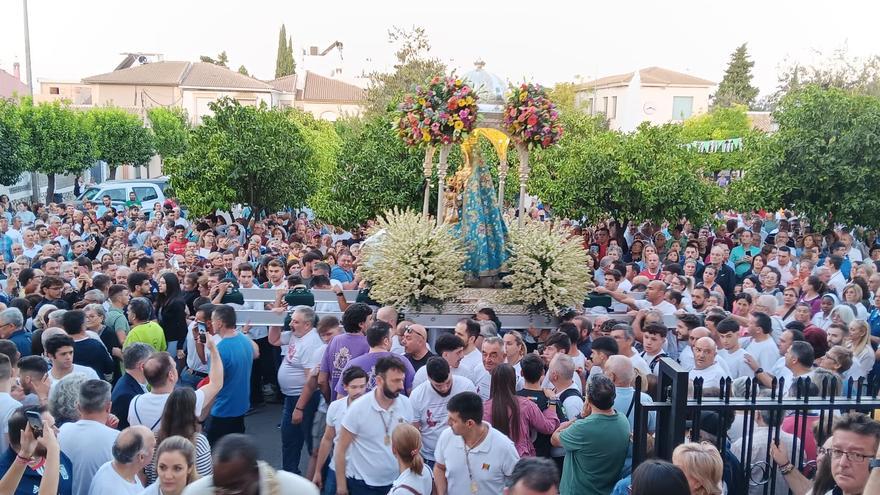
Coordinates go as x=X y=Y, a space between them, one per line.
x=530 y=418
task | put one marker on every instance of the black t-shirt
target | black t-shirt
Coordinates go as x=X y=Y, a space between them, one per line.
x=418 y=363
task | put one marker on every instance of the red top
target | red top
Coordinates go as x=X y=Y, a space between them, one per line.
x=530 y=418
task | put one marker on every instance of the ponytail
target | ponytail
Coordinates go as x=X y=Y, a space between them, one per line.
x=407 y=444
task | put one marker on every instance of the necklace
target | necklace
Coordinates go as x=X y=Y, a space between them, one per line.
x=388 y=424
x=467 y=462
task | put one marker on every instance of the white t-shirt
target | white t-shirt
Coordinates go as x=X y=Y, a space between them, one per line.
x=736 y=363
x=369 y=456
x=766 y=353
x=192 y=356
x=490 y=462
x=108 y=482
x=421 y=375
x=470 y=365
x=711 y=376
x=8 y=405
x=297 y=356
x=686 y=358
x=423 y=483
x=429 y=409
x=146 y=409
x=482 y=382
x=77 y=368
x=639 y=362
x=664 y=307
x=335 y=412
x=89 y=445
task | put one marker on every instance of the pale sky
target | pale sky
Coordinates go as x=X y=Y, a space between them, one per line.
x=547 y=41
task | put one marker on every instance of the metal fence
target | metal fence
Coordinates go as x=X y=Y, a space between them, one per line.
x=679 y=405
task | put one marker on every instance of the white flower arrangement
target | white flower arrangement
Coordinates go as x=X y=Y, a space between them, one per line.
x=548 y=268
x=414 y=263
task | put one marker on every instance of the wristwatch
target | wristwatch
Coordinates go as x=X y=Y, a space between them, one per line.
x=553 y=402
x=759 y=371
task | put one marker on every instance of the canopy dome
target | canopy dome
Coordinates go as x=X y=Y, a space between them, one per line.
x=489 y=87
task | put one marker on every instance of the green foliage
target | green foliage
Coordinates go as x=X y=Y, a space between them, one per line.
x=13 y=144
x=244 y=155
x=736 y=87
x=413 y=67
x=719 y=123
x=119 y=138
x=375 y=172
x=170 y=130
x=285 y=64
x=324 y=144
x=58 y=140
x=243 y=70
x=222 y=59
x=597 y=173
x=824 y=161
x=563 y=95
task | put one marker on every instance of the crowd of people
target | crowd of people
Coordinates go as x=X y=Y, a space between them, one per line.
x=125 y=366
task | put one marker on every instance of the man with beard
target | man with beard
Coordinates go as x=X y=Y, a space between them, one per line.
x=365 y=440
x=429 y=403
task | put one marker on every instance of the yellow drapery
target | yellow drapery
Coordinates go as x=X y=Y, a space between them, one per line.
x=500 y=141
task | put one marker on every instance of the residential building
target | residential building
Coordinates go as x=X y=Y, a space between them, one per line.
x=653 y=94
x=11 y=85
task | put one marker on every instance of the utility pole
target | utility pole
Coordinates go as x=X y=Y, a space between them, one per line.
x=35 y=185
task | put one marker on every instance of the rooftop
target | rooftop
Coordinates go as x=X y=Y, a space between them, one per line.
x=187 y=74
x=11 y=86
x=650 y=76
x=318 y=88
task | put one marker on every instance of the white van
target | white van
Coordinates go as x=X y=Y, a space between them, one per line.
x=147 y=191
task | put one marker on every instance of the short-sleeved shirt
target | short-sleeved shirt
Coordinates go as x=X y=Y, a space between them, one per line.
x=146 y=409
x=368 y=363
x=490 y=462
x=148 y=333
x=237 y=354
x=89 y=445
x=369 y=456
x=335 y=412
x=297 y=355
x=108 y=482
x=430 y=411
x=342 y=349
x=595 y=451
x=8 y=405
x=30 y=480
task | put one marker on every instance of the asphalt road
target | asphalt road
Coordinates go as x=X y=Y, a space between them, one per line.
x=263 y=426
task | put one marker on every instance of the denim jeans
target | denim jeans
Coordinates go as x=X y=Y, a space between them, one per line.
x=293 y=437
x=359 y=487
x=189 y=379
x=329 y=487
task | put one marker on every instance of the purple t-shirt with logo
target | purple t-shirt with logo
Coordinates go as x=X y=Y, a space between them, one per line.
x=340 y=351
x=368 y=363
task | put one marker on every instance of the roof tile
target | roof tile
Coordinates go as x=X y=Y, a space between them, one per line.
x=320 y=88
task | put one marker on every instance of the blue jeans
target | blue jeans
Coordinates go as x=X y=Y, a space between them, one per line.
x=329 y=483
x=189 y=379
x=359 y=487
x=293 y=437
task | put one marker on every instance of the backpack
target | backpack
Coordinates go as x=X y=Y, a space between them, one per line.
x=560 y=408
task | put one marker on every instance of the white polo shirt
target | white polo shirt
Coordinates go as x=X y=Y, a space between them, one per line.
x=369 y=457
x=146 y=409
x=429 y=409
x=487 y=464
x=89 y=445
x=471 y=364
x=482 y=382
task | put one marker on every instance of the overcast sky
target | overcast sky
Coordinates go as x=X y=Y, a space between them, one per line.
x=518 y=40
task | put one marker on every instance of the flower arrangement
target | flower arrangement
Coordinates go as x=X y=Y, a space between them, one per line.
x=442 y=112
x=414 y=263
x=530 y=117
x=549 y=271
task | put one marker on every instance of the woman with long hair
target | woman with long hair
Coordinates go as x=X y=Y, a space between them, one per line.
x=659 y=477
x=516 y=416
x=852 y=295
x=789 y=302
x=811 y=292
x=179 y=418
x=860 y=344
x=175 y=467
x=171 y=312
x=415 y=477
x=702 y=466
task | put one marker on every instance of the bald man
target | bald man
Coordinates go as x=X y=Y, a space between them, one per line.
x=132 y=451
x=686 y=358
x=655 y=298
x=389 y=315
x=705 y=366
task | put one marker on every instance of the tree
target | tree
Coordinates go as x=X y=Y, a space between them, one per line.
x=374 y=172
x=719 y=123
x=824 y=161
x=596 y=173
x=243 y=70
x=119 y=138
x=222 y=59
x=413 y=67
x=13 y=144
x=736 y=86
x=58 y=140
x=247 y=155
x=284 y=62
x=564 y=96
x=170 y=130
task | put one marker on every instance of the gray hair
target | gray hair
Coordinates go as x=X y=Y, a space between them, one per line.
x=768 y=301
x=67 y=265
x=50 y=332
x=488 y=328
x=627 y=330
x=563 y=365
x=135 y=354
x=307 y=312
x=494 y=340
x=55 y=317
x=128 y=445
x=11 y=316
x=97 y=308
x=622 y=369
x=95 y=295
x=94 y=396
x=64 y=396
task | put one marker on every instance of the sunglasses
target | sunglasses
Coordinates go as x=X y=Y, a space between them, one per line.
x=409 y=329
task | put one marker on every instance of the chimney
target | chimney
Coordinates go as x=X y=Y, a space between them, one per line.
x=16 y=70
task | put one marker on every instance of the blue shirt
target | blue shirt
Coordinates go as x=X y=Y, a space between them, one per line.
x=30 y=480
x=22 y=339
x=6 y=247
x=237 y=355
x=343 y=276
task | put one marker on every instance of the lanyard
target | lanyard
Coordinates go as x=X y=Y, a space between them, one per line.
x=467 y=461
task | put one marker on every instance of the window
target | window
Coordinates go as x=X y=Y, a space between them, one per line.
x=605 y=105
x=145 y=193
x=115 y=194
x=613 y=108
x=53 y=90
x=589 y=106
x=682 y=107
x=90 y=194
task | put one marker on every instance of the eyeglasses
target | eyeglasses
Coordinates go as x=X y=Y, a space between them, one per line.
x=851 y=456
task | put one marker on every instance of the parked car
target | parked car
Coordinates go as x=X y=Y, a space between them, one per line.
x=147 y=191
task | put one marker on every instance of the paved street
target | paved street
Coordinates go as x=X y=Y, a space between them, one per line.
x=263 y=426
